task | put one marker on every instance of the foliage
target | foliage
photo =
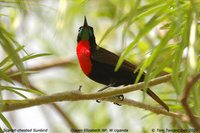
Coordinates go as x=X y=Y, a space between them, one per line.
x=13 y=54
x=160 y=35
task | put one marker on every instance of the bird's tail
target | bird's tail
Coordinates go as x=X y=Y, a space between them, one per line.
x=157 y=99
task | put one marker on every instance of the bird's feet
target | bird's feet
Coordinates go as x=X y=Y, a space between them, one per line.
x=102 y=89
x=120 y=97
x=79 y=89
x=98 y=101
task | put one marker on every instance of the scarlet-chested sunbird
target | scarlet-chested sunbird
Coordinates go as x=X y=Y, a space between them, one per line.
x=98 y=63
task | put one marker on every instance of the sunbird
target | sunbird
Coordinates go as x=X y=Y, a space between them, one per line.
x=99 y=64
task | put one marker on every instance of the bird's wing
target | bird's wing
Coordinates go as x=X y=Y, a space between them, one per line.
x=107 y=57
x=104 y=56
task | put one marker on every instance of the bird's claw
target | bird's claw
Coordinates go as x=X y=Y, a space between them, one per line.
x=98 y=101
x=79 y=89
x=117 y=104
x=121 y=98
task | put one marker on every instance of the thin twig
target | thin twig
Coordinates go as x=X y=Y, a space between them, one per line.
x=153 y=109
x=45 y=65
x=67 y=119
x=59 y=62
x=52 y=63
x=188 y=88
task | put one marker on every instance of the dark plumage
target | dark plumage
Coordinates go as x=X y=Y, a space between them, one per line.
x=101 y=63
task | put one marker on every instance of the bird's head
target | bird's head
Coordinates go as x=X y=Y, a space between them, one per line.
x=85 y=32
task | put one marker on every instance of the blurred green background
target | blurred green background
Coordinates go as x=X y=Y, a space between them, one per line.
x=154 y=34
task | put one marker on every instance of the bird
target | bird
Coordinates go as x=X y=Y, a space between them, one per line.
x=98 y=63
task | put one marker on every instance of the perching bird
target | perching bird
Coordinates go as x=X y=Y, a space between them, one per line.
x=98 y=63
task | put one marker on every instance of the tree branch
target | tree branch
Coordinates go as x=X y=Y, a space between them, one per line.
x=9 y=105
x=153 y=109
x=60 y=63
x=66 y=118
x=188 y=88
x=52 y=63
x=74 y=96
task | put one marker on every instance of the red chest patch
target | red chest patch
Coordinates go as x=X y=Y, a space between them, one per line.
x=83 y=53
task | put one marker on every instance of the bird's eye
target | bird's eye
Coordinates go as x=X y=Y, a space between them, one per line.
x=80 y=29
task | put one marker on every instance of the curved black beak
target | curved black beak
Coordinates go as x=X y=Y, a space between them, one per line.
x=84 y=34
x=85 y=22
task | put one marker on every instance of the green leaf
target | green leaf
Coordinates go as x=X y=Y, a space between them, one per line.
x=25 y=58
x=159 y=64
x=27 y=90
x=6 y=60
x=19 y=73
x=32 y=56
x=196 y=93
x=1 y=131
x=113 y=27
x=150 y=8
x=167 y=62
x=178 y=84
x=21 y=89
x=151 y=24
x=5 y=77
x=7 y=44
x=155 y=54
x=160 y=16
x=13 y=90
x=6 y=122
